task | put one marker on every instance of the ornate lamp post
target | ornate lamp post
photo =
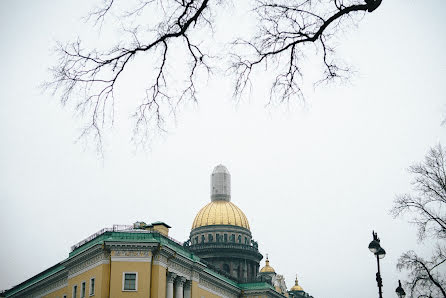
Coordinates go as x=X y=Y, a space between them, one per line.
x=400 y=291
x=380 y=253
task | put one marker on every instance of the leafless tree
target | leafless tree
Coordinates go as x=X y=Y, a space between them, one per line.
x=89 y=77
x=426 y=208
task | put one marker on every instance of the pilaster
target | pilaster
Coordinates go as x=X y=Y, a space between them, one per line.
x=194 y=289
x=158 y=279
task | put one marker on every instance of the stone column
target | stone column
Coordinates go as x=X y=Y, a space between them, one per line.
x=169 y=289
x=179 y=286
x=187 y=289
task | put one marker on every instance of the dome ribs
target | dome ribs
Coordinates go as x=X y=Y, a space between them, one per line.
x=220 y=213
x=234 y=216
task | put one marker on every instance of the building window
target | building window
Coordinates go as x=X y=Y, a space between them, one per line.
x=202 y=238
x=246 y=240
x=225 y=237
x=83 y=289
x=232 y=238
x=239 y=239
x=217 y=236
x=210 y=238
x=74 y=291
x=130 y=281
x=92 y=287
x=64 y=296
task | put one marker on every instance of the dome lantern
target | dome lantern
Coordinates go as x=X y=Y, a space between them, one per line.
x=220 y=184
x=220 y=211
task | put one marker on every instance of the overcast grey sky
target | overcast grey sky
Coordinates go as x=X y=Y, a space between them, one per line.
x=313 y=180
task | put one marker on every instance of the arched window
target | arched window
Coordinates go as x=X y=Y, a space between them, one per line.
x=202 y=238
x=217 y=237
x=210 y=238
x=225 y=237
x=239 y=238
x=233 y=238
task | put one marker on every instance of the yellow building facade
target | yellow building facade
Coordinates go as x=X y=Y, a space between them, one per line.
x=134 y=263
x=220 y=259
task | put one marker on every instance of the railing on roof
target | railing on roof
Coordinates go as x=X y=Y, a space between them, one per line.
x=121 y=228
x=170 y=238
x=115 y=228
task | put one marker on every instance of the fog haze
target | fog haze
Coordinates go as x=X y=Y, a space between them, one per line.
x=313 y=178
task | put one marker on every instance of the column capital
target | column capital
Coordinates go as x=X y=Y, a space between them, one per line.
x=179 y=281
x=171 y=277
x=187 y=284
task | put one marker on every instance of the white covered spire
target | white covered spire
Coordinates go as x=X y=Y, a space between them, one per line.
x=220 y=184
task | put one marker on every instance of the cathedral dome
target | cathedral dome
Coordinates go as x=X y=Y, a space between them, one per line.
x=221 y=235
x=267 y=268
x=220 y=212
x=296 y=286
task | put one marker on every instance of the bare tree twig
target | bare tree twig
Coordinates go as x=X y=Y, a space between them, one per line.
x=88 y=77
x=426 y=208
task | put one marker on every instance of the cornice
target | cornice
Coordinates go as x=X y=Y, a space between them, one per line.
x=225 y=249
x=45 y=286
x=87 y=254
x=221 y=228
x=269 y=292
x=218 y=287
x=88 y=264
x=130 y=246
x=207 y=279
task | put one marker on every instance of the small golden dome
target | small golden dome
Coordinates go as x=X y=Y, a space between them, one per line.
x=220 y=212
x=267 y=267
x=296 y=286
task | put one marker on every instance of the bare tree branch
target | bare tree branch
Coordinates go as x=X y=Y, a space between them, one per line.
x=425 y=278
x=286 y=28
x=427 y=204
x=88 y=77
x=426 y=208
x=95 y=73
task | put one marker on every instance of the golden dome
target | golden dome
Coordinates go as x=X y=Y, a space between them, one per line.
x=267 y=267
x=220 y=212
x=296 y=286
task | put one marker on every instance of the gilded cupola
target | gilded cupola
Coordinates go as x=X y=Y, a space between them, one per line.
x=220 y=213
x=267 y=268
x=296 y=286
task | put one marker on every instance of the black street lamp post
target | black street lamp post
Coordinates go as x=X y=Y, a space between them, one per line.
x=380 y=253
x=400 y=291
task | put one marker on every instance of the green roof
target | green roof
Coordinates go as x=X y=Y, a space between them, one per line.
x=101 y=239
x=256 y=286
x=35 y=279
x=126 y=236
